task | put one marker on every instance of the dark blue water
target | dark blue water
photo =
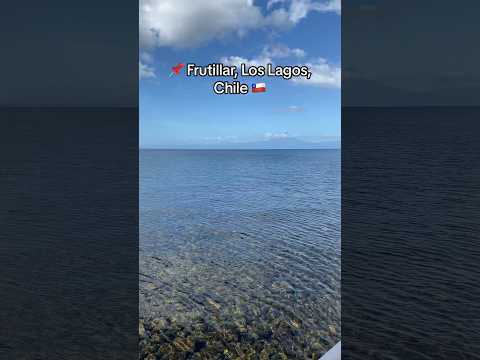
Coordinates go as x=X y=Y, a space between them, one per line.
x=410 y=233
x=246 y=243
x=69 y=233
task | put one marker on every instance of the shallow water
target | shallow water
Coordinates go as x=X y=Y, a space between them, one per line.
x=239 y=253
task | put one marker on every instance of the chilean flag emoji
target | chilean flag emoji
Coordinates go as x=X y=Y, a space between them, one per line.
x=258 y=87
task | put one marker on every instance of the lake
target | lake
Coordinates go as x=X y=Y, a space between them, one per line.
x=239 y=253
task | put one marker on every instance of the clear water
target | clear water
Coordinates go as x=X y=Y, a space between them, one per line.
x=239 y=253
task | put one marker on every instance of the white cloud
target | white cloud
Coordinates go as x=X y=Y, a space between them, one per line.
x=323 y=75
x=220 y=139
x=329 y=6
x=267 y=56
x=270 y=136
x=298 y=10
x=238 y=60
x=146 y=71
x=289 y=109
x=282 y=51
x=186 y=23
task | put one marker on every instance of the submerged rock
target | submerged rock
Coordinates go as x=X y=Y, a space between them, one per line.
x=163 y=339
x=141 y=329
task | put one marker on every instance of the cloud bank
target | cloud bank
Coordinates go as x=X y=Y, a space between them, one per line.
x=186 y=23
x=324 y=74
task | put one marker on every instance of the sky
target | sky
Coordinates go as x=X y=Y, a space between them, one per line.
x=181 y=111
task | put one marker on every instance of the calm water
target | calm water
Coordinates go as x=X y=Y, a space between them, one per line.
x=239 y=253
x=410 y=233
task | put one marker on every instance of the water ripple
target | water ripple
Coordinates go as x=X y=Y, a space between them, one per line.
x=246 y=241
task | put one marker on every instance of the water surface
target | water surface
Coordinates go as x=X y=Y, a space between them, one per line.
x=239 y=253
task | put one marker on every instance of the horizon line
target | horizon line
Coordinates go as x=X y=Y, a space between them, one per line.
x=235 y=149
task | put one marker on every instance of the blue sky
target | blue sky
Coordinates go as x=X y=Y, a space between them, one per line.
x=182 y=111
